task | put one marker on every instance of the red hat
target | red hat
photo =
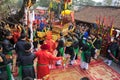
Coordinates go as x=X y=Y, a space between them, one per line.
x=44 y=46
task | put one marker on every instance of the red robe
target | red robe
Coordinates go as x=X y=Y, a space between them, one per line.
x=43 y=63
x=52 y=45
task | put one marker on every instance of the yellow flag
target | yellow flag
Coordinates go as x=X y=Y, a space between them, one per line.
x=51 y=5
x=65 y=6
x=111 y=31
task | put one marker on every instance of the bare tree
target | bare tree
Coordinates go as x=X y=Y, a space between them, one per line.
x=117 y=3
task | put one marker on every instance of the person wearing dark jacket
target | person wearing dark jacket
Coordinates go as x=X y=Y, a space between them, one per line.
x=75 y=46
x=19 y=47
x=60 y=48
x=7 y=51
x=26 y=63
x=97 y=45
x=112 y=50
x=5 y=73
x=7 y=46
x=69 y=49
x=86 y=53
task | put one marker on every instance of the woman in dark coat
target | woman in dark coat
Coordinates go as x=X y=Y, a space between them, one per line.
x=5 y=72
x=3 y=66
x=112 y=51
x=26 y=63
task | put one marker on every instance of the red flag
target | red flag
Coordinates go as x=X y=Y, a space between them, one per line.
x=98 y=20
x=112 y=27
x=109 y=20
x=103 y=21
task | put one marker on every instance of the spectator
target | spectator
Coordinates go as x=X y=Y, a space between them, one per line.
x=26 y=62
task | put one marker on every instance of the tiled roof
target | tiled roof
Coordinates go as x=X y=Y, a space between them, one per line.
x=89 y=14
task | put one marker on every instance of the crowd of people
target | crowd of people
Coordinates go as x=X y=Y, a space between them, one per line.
x=20 y=53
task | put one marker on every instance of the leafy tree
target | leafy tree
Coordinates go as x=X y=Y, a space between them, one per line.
x=116 y=3
x=90 y=2
x=43 y=3
x=83 y=2
x=107 y=2
x=6 y=7
x=99 y=4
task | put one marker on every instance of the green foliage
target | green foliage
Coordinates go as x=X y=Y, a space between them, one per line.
x=43 y=3
x=6 y=7
x=108 y=2
x=19 y=3
x=99 y=4
x=55 y=5
x=83 y=2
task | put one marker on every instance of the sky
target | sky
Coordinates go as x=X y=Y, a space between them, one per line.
x=98 y=0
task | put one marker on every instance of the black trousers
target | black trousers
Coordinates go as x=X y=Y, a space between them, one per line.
x=70 y=51
x=28 y=72
x=4 y=75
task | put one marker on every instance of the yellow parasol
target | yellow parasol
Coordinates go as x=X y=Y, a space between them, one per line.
x=66 y=12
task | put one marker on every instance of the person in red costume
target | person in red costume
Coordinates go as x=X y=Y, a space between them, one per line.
x=51 y=46
x=44 y=57
x=51 y=43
